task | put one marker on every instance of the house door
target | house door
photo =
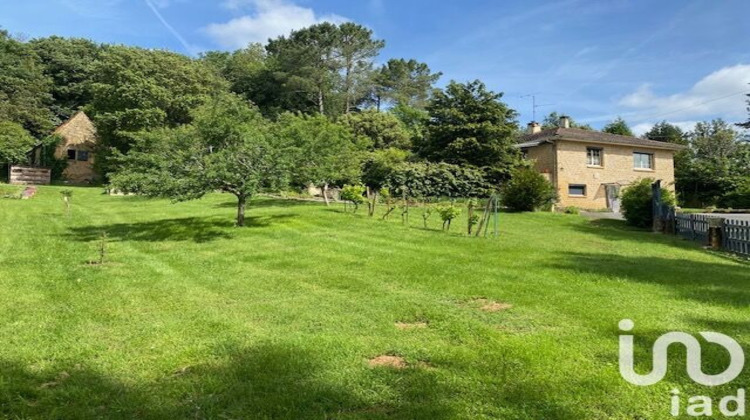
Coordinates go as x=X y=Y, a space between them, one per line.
x=613 y=198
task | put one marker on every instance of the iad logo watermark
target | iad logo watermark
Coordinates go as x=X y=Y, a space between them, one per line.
x=697 y=406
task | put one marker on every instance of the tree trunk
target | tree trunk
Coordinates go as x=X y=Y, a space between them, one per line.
x=325 y=194
x=241 y=204
x=348 y=88
x=321 y=107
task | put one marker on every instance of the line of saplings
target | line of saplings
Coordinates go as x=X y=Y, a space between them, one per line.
x=445 y=189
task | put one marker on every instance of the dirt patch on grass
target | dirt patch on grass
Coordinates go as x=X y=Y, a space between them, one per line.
x=491 y=305
x=394 y=362
x=410 y=325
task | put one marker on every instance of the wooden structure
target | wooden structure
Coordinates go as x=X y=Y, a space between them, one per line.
x=27 y=175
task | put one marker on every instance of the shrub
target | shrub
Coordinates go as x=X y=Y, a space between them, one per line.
x=737 y=199
x=637 y=202
x=572 y=210
x=447 y=214
x=353 y=194
x=528 y=190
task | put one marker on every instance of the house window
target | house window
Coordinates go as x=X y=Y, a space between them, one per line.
x=83 y=156
x=577 y=190
x=71 y=154
x=593 y=156
x=643 y=160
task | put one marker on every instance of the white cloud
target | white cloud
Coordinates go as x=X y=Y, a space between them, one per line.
x=268 y=19
x=718 y=94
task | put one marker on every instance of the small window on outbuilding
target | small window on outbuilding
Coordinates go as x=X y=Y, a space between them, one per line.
x=83 y=155
x=577 y=190
x=71 y=154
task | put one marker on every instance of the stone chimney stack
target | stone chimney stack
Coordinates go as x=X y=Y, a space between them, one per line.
x=534 y=128
x=564 y=121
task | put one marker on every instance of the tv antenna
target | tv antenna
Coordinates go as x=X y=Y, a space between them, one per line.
x=534 y=105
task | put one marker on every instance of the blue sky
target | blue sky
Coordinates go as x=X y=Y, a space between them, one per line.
x=683 y=61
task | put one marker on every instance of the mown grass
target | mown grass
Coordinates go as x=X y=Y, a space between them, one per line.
x=191 y=317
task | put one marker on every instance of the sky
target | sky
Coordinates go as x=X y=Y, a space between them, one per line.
x=646 y=61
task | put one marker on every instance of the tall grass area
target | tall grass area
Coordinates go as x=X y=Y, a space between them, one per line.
x=192 y=317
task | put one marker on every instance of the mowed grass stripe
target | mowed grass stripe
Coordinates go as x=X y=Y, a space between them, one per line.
x=191 y=317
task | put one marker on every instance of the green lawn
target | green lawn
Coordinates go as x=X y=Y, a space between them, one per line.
x=191 y=317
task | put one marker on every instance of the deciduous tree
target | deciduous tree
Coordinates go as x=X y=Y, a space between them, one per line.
x=229 y=147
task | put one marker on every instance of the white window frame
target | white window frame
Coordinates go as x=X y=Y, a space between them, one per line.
x=638 y=162
x=591 y=153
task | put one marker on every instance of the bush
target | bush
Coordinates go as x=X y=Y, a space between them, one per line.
x=636 y=202
x=528 y=190
x=737 y=199
x=353 y=194
x=572 y=210
x=447 y=214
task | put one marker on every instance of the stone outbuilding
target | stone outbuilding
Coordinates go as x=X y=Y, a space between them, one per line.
x=78 y=146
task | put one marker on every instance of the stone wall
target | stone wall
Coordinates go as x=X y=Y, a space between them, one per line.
x=23 y=175
x=617 y=168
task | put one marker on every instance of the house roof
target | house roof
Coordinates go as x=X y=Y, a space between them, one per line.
x=588 y=136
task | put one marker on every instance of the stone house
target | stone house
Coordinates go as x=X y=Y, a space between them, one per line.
x=78 y=146
x=588 y=168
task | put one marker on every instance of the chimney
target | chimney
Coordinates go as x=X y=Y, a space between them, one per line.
x=534 y=127
x=564 y=121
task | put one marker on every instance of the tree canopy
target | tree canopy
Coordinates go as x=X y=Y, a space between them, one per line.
x=553 y=121
x=228 y=147
x=618 y=126
x=15 y=143
x=469 y=125
x=25 y=96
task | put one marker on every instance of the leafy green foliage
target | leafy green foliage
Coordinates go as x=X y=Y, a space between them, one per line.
x=15 y=143
x=229 y=147
x=324 y=68
x=379 y=166
x=618 y=126
x=553 y=121
x=324 y=152
x=666 y=132
x=447 y=214
x=353 y=194
x=469 y=125
x=716 y=163
x=433 y=180
x=136 y=89
x=24 y=89
x=380 y=129
x=747 y=123
x=637 y=202
x=69 y=63
x=527 y=190
x=406 y=83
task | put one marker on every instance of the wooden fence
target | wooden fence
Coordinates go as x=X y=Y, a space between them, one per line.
x=692 y=226
x=735 y=236
x=26 y=175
